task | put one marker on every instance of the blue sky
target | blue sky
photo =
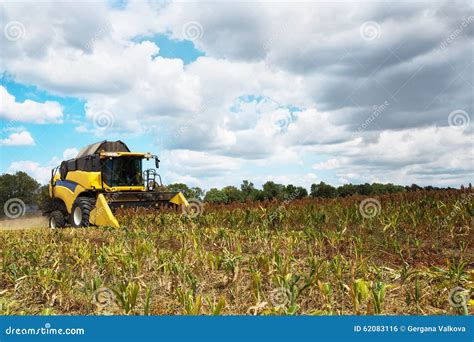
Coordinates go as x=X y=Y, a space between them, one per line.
x=52 y=139
x=226 y=92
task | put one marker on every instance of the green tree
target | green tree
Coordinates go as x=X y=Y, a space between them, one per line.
x=194 y=192
x=364 y=189
x=181 y=187
x=249 y=192
x=323 y=190
x=20 y=186
x=391 y=188
x=413 y=187
x=216 y=196
x=346 y=190
x=272 y=190
x=197 y=192
x=233 y=194
x=378 y=189
x=294 y=192
x=301 y=192
x=246 y=186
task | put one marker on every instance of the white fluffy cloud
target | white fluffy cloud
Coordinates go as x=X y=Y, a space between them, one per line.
x=41 y=173
x=112 y=67
x=28 y=110
x=200 y=164
x=276 y=80
x=54 y=24
x=18 y=139
x=432 y=155
x=70 y=153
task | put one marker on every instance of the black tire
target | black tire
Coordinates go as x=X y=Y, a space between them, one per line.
x=57 y=219
x=80 y=212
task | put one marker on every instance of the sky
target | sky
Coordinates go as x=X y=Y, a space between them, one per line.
x=225 y=91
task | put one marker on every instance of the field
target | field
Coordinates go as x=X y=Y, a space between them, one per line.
x=412 y=255
x=24 y=222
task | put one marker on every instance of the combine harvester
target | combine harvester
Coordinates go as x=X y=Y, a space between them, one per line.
x=105 y=176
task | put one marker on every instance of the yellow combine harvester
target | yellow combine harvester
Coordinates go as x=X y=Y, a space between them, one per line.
x=103 y=177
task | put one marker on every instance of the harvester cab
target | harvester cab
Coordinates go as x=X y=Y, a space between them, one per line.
x=103 y=177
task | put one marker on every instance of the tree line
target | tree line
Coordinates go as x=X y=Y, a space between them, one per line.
x=274 y=191
x=21 y=185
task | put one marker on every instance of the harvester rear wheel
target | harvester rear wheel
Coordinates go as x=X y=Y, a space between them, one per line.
x=57 y=219
x=81 y=210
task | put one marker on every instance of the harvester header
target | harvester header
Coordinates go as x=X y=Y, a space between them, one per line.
x=103 y=177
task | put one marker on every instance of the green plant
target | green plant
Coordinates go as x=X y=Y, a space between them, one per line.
x=126 y=295
x=216 y=308
x=359 y=293
x=192 y=306
x=378 y=296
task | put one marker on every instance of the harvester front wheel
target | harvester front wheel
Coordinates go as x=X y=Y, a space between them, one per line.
x=57 y=219
x=81 y=210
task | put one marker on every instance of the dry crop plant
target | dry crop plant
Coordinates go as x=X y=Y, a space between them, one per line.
x=411 y=253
